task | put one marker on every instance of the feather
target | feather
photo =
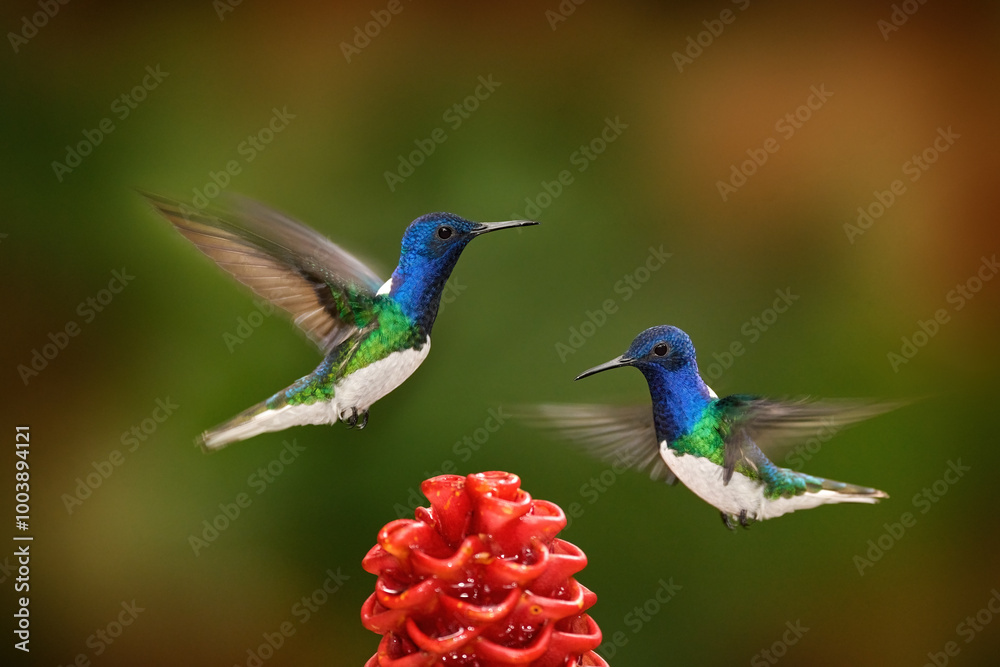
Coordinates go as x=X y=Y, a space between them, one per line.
x=608 y=432
x=327 y=291
x=754 y=427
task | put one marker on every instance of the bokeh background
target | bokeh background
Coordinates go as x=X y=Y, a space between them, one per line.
x=515 y=297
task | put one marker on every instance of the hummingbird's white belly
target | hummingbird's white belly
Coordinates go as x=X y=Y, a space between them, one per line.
x=363 y=387
x=358 y=390
x=705 y=479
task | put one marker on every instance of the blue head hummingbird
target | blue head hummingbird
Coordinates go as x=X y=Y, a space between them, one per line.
x=715 y=446
x=373 y=334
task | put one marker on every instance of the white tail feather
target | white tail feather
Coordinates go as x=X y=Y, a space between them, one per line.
x=247 y=425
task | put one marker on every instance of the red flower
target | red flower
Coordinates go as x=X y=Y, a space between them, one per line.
x=479 y=579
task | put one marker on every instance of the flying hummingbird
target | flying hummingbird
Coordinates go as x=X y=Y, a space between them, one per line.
x=715 y=446
x=373 y=335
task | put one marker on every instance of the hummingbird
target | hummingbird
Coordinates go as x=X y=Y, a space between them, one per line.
x=373 y=334
x=715 y=446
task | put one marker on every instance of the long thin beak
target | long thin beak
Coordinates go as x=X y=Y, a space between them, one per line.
x=608 y=365
x=487 y=227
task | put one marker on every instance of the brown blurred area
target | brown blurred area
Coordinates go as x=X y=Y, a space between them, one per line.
x=888 y=95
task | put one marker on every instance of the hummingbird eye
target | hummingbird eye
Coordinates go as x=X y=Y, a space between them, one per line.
x=661 y=350
x=444 y=232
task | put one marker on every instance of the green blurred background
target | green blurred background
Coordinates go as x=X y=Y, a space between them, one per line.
x=518 y=294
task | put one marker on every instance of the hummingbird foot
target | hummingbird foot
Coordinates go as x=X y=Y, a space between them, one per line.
x=351 y=418
x=727 y=519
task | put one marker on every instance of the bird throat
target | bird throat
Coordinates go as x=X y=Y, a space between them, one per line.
x=679 y=399
x=417 y=287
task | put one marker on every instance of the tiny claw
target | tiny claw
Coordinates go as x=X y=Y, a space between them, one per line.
x=727 y=521
x=364 y=420
x=743 y=519
x=352 y=419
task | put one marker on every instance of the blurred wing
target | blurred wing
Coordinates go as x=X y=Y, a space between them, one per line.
x=608 y=432
x=754 y=426
x=320 y=285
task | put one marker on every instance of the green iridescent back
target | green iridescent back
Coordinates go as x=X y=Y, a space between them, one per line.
x=383 y=328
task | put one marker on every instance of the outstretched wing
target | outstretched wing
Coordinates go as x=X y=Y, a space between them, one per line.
x=754 y=426
x=618 y=434
x=323 y=288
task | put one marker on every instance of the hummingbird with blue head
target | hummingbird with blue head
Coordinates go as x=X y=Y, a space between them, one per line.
x=715 y=446
x=373 y=334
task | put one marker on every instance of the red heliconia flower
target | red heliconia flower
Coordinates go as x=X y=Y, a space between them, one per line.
x=479 y=579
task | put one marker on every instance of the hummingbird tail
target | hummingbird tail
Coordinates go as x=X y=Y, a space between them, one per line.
x=262 y=419
x=832 y=491
x=819 y=491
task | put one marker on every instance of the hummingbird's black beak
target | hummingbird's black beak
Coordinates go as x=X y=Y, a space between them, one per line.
x=608 y=365
x=487 y=227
